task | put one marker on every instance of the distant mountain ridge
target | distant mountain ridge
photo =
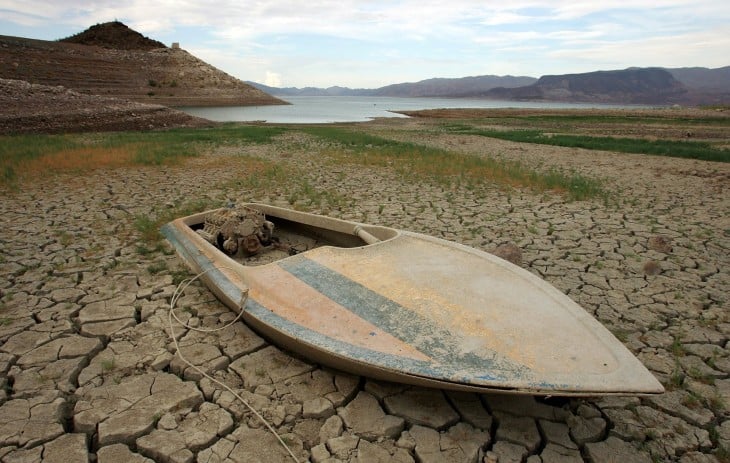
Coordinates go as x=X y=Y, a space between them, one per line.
x=627 y=86
x=661 y=86
x=435 y=87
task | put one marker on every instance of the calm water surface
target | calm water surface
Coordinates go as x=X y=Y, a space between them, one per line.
x=327 y=109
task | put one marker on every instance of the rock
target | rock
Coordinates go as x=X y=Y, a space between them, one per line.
x=372 y=453
x=122 y=358
x=68 y=448
x=318 y=408
x=507 y=452
x=332 y=427
x=106 y=329
x=206 y=357
x=463 y=445
x=465 y=439
x=119 y=453
x=524 y=405
x=614 y=450
x=32 y=421
x=470 y=409
x=200 y=429
x=347 y=386
x=246 y=445
x=660 y=243
x=319 y=453
x=32 y=455
x=165 y=447
x=67 y=294
x=59 y=375
x=311 y=385
x=651 y=268
x=671 y=436
x=342 y=447
x=697 y=457
x=553 y=453
x=25 y=341
x=382 y=389
x=723 y=434
x=509 y=252
x=426 y=407
x=308 y=430
x=365 y=418
x=520 y=430
x=557 y=433
x=267 y=366
x=673 y=402
x=122 y=412
x=61 y=348
x=103 y=311
x=584 y=430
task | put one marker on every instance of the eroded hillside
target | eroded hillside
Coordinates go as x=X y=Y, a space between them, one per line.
x=120 y=64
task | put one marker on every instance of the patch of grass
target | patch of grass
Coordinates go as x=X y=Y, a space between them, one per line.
x=179 y=275
x=26 y=156
x=148 y=226
x=676 y=379
x=264 y=177
x=156 y=268
x=681 y=149
x=447 y=167
x=696 y=374
x=107 y=365
x=677 y=348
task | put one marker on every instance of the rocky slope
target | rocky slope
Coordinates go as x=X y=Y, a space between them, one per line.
x=112 y=60
x=34 y=108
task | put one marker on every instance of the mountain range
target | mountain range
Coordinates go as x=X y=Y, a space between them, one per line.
x=662 y=86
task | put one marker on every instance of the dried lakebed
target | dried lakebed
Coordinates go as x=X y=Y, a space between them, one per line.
x=86 y=355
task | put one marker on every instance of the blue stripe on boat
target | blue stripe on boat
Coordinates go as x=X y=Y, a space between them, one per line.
x=408 y=326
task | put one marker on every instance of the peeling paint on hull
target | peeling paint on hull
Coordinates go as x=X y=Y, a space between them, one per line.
x=419 y=310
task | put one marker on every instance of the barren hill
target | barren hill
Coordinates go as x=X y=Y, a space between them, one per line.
x=112 y=60
x=114 y=35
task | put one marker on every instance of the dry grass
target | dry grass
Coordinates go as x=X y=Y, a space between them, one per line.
x=79 y=159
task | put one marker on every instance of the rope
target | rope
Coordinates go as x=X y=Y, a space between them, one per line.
x=171 y=314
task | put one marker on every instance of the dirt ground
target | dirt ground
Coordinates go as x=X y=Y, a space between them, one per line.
x=88 y=369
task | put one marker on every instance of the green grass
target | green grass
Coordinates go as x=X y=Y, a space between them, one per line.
x=267 y=176
x=449 y=167
x=582 y=119
x=681 y=149
x=148 y=226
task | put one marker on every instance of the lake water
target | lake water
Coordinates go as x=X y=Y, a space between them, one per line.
x=328 y=109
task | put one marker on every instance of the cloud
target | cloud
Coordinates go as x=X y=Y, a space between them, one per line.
x=665 y=51
x=272 y=79
x=386 y=41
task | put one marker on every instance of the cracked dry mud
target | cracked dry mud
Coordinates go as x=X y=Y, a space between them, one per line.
x=88 y=372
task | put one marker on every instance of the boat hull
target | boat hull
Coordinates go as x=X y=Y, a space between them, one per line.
x=419 y=310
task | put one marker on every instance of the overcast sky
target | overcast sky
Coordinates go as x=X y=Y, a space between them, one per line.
x=368 y=44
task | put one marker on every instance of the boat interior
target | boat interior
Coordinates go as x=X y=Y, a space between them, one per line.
x=296 y=232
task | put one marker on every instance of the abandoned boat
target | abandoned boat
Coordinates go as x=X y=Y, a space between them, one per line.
x=402 y=306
